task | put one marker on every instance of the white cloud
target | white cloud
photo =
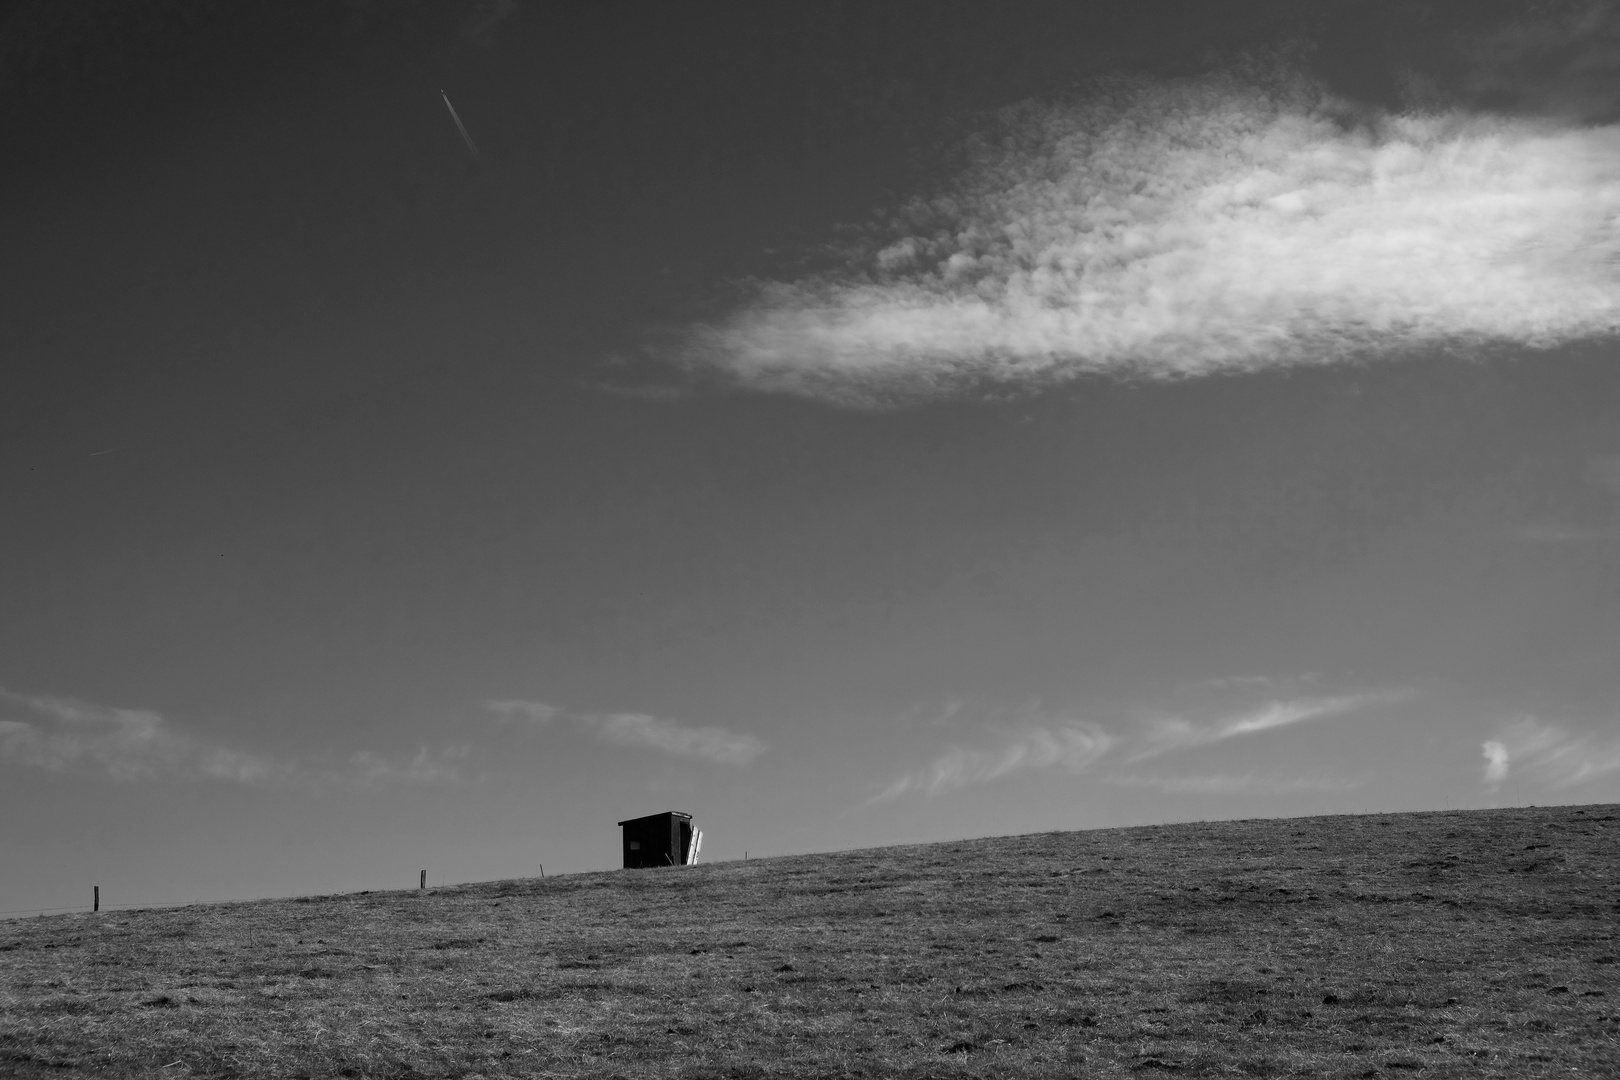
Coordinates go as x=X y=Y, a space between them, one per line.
x=1072 y=747
x=1548 y=754
x=535 y=711
x=1077 y=746
x=427 y=767
x=1496 y=761
x=128 y=744
x=716 y=744
x=63 y=734
x=1165 y=734
x=641 y=730
x=1550 y=61
x=1205 y=226
x=1248 y=784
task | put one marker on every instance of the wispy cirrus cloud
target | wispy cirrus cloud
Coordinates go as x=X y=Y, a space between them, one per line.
x=1226 y=784
x=1167 y=733
x=63 y=734
x=641 y=730
x=426 y=767
x=1079 y=746
x=1563 y=63
x=1548 y=753
x=1586 y=520
x=58 y=734
x=1071 y=747
x=1209 y=225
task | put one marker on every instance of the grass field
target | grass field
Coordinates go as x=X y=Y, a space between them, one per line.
x=1464 y=944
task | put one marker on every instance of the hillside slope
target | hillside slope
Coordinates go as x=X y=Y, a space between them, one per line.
x=1467 y=944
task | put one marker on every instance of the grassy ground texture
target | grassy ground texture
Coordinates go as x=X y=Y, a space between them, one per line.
x=1463 y=944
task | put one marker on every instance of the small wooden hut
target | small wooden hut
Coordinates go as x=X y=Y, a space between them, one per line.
x=658 y=840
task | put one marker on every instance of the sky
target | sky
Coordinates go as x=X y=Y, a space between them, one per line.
x=433 y=433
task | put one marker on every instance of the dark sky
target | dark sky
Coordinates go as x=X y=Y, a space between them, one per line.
x=848 y=423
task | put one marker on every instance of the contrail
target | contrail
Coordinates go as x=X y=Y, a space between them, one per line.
x=460 y=126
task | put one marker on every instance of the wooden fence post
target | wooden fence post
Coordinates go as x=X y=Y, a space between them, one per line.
x=423 y=885
x=97 y=906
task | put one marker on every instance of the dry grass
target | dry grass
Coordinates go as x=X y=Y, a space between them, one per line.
x=1468 y=944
